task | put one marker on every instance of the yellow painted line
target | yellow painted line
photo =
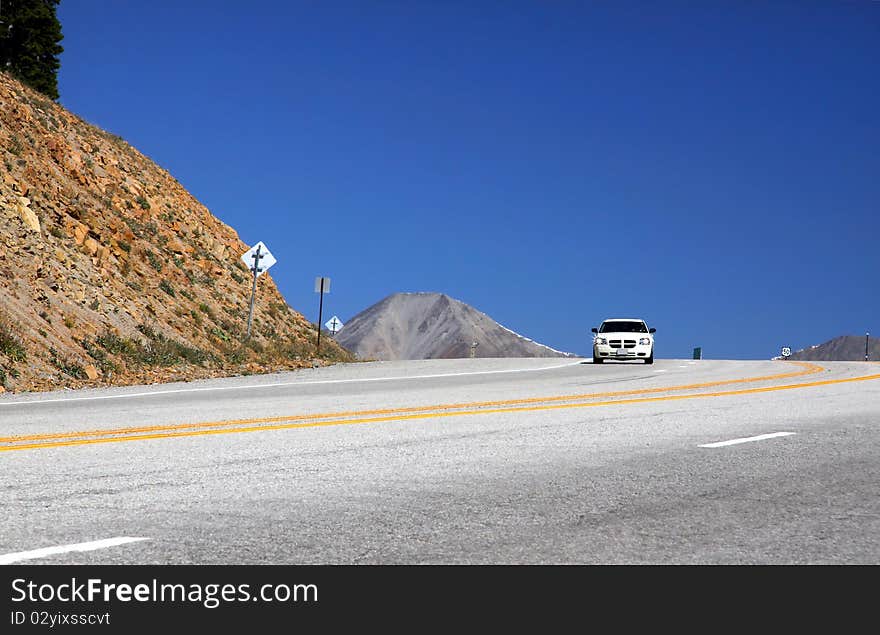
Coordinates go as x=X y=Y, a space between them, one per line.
x=434 y=415
x=808 y=369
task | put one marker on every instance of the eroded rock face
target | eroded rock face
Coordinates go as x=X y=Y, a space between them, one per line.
x=112 y=273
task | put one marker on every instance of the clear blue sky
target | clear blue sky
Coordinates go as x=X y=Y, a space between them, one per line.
x=713 y=167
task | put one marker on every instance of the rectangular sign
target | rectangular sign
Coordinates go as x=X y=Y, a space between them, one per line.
x=318 y=282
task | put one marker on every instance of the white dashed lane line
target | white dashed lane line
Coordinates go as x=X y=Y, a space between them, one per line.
x=760 y=437
x=45 y=552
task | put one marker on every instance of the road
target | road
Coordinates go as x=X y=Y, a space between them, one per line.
x=472 y=461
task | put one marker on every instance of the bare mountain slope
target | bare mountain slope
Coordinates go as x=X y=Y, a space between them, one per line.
x=845 y=348
x=112 y=273
x=432 y=326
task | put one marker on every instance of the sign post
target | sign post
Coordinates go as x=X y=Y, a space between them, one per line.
x=322 y=286
x=786 y=352
x=258 y=259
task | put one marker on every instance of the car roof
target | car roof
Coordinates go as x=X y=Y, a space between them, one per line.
x=624 y=320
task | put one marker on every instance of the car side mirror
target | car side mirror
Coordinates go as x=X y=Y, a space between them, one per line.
x=594 y=329
x=652 y=330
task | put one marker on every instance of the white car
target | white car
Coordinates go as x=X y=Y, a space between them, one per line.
x=623 y=338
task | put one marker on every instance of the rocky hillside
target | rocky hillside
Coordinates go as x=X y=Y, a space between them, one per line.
x=432 y=326
x=841 y=349
x=112 y=273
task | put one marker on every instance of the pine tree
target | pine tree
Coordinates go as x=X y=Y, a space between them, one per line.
x=30 y=36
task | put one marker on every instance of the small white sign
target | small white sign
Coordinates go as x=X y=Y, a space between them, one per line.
x=334 y=325
x=326 y=282
x=786 y=351
x=266 y=259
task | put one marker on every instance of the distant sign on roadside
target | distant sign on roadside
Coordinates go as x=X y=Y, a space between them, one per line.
x=322 y=286
x=786 y=351
x=334 y=325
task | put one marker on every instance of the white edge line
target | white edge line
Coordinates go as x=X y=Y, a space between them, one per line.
x=9 y=558
x=288 y=383
x=760 y=437
x=660 y=371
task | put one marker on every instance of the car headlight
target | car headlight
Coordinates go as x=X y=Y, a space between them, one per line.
x=601 y=340
x=644 y=340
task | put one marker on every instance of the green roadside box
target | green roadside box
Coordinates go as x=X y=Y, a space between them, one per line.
x=698 y=352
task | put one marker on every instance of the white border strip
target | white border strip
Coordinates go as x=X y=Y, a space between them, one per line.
x=287 y=383
x=760 y=437
x=9 y=558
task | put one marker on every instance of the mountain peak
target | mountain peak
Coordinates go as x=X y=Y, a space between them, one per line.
x=841 y=348
x=430 y=325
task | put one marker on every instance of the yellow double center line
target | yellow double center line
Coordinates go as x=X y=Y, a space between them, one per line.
x=558 y=402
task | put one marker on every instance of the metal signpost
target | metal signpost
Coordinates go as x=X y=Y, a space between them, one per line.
x=258 y=259
x=322 y=286
x=334 y=325
x=866 y=346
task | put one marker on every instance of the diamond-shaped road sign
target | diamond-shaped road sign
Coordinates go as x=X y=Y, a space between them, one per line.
x=334 y=325
x=266 y=259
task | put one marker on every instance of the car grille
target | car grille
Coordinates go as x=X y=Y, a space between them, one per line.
x=622 y=343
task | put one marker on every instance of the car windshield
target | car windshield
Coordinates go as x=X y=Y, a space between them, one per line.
x=623 y=327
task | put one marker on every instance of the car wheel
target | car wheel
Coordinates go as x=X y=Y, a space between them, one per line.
x=650 y=358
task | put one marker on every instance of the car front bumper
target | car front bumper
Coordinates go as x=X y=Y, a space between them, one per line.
x=605 y=351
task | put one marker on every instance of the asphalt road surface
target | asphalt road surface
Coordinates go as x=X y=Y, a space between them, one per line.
x=472 y=461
